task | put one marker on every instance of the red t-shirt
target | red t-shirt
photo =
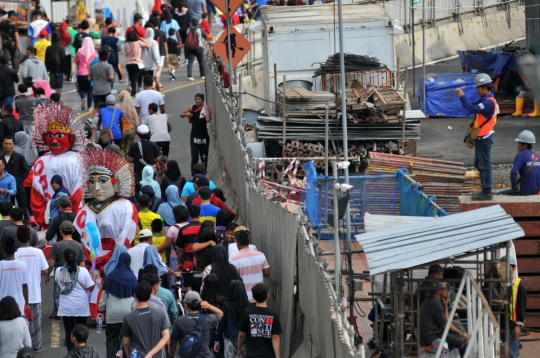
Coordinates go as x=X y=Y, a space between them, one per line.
x=235 y=20
x=138 y=29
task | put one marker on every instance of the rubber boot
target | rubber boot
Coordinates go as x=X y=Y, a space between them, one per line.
x=536 y=111
x=519 y=107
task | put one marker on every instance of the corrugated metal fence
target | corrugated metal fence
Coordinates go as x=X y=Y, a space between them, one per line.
x=276 y=232
x=532 y=22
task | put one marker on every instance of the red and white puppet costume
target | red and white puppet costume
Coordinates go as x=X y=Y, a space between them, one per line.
x=60 y=130
x=110 y=180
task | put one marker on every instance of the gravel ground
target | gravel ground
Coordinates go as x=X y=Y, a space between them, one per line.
x=501 y=175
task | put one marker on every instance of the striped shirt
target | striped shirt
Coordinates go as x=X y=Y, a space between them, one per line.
x=250 y=265
x=208 y=212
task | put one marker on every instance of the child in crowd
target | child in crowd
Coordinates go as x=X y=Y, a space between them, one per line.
x=174 y=51
x=205 y=25
x=59 y=190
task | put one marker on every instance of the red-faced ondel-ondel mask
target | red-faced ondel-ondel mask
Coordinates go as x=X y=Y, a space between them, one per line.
x=58 y=138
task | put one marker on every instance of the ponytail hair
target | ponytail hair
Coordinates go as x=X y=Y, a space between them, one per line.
x=70 y=257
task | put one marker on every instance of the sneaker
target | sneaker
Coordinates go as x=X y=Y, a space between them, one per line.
x=113 y=91
x=83 y=104
x=173 y=76
x=203 y=77
x=120 y=354
x=191 y=79
x=38 y=349
x=482 y=196
x=122 y=80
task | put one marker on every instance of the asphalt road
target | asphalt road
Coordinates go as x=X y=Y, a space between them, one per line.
x=179 y=95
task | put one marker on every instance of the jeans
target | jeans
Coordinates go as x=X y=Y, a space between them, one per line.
x=199 y=147
x=191 y=54
x=133 y=73
x=514 y=346
x=85 y=89
x=6 y=100
x=69 y=324
x=482 y=161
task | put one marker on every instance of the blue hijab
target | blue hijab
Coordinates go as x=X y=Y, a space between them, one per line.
x=113 y=262
x=58 y=178
x=166 y=208
x=151 y=256
x=121 y=281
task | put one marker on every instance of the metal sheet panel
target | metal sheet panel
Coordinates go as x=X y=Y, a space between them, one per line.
x=420 y=243
x=532 y=25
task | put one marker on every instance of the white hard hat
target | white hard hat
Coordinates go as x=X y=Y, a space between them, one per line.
x=526 y=137
x=482 y=79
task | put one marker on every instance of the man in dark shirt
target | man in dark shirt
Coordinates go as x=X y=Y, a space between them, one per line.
x=10 y=39
x=24 y=104
x=259 y=327
x=9 y=124
x=84 y=31
x=19 y=168
x=64 y=205
x=143 y=153
x=16 y=215
x=517 y=297
x=5 y=207
x=8 y=78
x=434 y=318
x=186 y=238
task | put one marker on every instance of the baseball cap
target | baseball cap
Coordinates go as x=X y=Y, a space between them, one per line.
x=43 y=33
x=110 y=99
x=143 y=129
x=67 y=226
x=192 y=298
x=145 y=233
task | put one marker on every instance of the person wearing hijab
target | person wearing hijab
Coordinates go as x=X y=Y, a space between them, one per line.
x=43 y=84
x=57 y=183
x=173 y=176
x=139 y=9
x=221 y=267
x=149 y=56
x=152 y=257
x=157 y=6
x=23 y=146
x=148 y=179
x=233 y=308
x=113 y=262
x=166 y=208
x=130 y=121
x=155 y=202
x=83 y=58
x=116 y=300
x=55 y=59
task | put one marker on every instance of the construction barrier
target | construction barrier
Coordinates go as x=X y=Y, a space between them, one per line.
x=515 y=25
x=450 y=39
x=468 y=38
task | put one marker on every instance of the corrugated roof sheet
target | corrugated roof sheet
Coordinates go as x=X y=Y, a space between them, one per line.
x=321 y=14
x=416 y=244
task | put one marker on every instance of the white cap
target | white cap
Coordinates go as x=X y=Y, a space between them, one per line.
x=143 y=129
x=145 y=233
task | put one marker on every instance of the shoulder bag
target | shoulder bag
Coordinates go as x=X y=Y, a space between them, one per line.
x=472 y=133
x=106 y=135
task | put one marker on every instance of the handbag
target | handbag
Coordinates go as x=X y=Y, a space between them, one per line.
x=472 y=133
x=106 y=135
x=141 y=65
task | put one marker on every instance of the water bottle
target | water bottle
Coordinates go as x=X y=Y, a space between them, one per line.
x=99 y=327
x=134 y=353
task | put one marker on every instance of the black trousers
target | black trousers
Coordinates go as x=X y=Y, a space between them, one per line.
x=199 y=148
x=164 y=146
x=69 y=324
x=12 y=54
x=21 y=200
x=144 y=73
x=112 y=333
x=67 y=67
x=133 y=73
x=191 y=54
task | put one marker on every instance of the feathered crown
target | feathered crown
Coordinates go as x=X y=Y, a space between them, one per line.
x=105 y=161
x=55 y=116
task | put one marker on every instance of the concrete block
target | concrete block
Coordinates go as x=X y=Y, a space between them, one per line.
x=515 y=206
x=467 y=37
x=503 y=27
x=453 y=41
x=515 y=26
x=418 y=48
x=479 y=31
x=492 y=29
x=404 y=50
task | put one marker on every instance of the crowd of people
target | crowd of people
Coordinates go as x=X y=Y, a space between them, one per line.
x=96 y=208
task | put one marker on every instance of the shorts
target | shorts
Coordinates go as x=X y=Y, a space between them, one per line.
x=173 y=61
x=56 y=80
x=161 y=61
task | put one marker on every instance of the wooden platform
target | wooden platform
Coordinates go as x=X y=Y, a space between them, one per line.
x=526 y=212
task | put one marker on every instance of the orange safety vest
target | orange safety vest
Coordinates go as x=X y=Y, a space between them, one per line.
x=513 y=299
x=480 y=118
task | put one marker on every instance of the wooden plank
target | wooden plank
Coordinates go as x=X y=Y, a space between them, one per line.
x=515 y=206
x=527 y=247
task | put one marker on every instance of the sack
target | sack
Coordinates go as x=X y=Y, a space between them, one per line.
x=105 y=134
x=192 y=40
x=470 y=138
x=192 y=340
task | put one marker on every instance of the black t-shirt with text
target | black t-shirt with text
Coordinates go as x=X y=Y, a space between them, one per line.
x=198 y=123
x=260 y=324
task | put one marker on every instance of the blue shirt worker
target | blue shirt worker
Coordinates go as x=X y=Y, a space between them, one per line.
x=106 y=120
x=485 y=110
x=526 y=166
x=8 y=184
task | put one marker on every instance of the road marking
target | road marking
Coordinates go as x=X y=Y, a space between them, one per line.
x=55 y=333
x=166 y=91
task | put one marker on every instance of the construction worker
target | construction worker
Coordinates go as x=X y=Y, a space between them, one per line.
x=518 y=306
x=527 y=166
x=523 y=96
x=486 y=110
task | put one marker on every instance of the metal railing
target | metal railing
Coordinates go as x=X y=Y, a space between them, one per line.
x=481 y=323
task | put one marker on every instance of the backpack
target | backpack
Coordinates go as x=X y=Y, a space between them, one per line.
x=497 y=295
x=192 y=40
x=77 y=44
x=192 y=340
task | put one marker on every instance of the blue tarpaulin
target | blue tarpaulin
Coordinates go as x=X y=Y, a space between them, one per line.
x=495 y=63
x=442 y=100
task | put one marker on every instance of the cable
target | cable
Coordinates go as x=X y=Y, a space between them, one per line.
x=353 y=63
